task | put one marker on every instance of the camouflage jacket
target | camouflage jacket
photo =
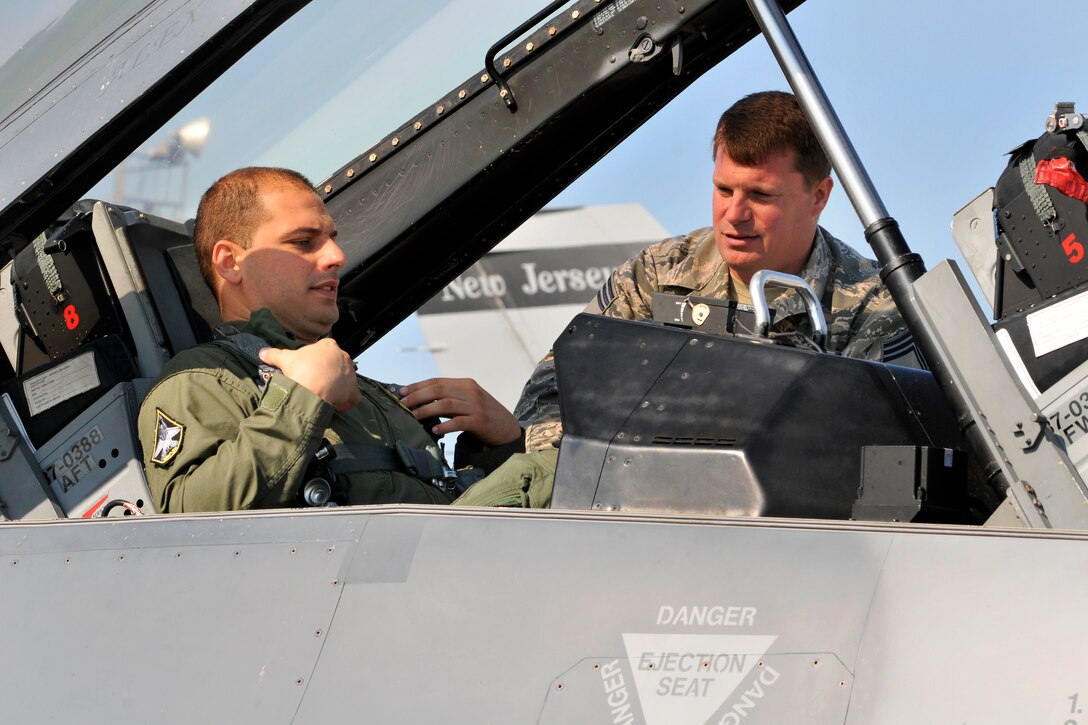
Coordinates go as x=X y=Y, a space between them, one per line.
x=862 y=320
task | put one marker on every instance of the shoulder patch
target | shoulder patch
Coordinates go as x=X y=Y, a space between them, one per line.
x=605 y=295
x=903 y=351
x=168 y=436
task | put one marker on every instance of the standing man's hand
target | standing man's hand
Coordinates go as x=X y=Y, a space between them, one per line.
x=468 y=406
x=322 y=368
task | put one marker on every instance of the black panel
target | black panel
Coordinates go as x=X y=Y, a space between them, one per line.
x=113 y=364
x=77 y=305
x=1041 y=262
x=800 y=419
x=911 y=483
x=1049 y=257
x=722 y=317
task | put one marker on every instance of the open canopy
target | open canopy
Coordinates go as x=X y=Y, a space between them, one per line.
x=446 y=167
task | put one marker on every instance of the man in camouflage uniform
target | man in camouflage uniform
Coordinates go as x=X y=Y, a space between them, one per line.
x=246 y=421
x=772 y=181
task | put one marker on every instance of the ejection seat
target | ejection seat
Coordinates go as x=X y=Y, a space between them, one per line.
x=88 y=316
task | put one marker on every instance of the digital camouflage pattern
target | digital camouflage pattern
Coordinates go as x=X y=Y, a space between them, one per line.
x=862 y=320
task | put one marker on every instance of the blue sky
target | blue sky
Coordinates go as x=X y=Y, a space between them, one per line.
x=933 y=93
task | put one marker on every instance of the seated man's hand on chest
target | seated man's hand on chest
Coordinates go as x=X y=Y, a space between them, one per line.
x=322 y=368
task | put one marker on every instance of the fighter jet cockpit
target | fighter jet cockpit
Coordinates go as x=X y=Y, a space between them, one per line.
x=744 y=527
x=110 y=290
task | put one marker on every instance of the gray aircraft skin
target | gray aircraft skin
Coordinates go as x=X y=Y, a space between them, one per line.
x=710 y=577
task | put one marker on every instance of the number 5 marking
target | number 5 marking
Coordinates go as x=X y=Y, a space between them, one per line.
x=1073 y=249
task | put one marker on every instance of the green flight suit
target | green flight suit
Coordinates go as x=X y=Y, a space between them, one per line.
x=214 y=441
x=525 y=481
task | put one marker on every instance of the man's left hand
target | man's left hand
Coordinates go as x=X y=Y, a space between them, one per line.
x=467 y=406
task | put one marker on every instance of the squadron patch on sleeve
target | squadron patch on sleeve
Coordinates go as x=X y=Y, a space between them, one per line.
x=168 y=436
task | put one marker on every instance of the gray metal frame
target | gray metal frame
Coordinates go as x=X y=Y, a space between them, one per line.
x=421 y=614
x=1045 y=486
x=130 y=287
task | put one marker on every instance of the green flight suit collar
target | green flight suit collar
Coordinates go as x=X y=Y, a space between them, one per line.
x=265 y=326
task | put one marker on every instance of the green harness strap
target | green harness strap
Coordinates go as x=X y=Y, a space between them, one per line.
x=419 y=462
x=1040 y=200
x=48 y=269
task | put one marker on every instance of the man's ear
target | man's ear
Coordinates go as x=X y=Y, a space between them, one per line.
x=226 y=256
x=821 y=192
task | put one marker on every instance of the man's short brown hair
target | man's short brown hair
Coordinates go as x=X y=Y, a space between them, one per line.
x=763 y=124
x=231 y=209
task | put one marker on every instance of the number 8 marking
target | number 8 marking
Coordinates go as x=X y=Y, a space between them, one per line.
x=71 y=319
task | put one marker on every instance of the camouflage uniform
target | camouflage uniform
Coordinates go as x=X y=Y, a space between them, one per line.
x=214 y=440
x=862 y=319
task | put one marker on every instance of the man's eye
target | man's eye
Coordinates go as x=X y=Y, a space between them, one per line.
x=725 y=191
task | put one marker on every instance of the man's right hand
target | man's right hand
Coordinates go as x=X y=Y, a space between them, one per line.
x=322 y=368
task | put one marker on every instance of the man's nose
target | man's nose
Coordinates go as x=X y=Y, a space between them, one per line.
x=332 y=256
x=738 y=209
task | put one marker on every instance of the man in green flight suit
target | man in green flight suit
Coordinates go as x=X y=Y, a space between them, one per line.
x=249 y=420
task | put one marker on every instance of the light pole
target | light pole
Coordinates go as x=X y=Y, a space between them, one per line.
x=159 y=161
